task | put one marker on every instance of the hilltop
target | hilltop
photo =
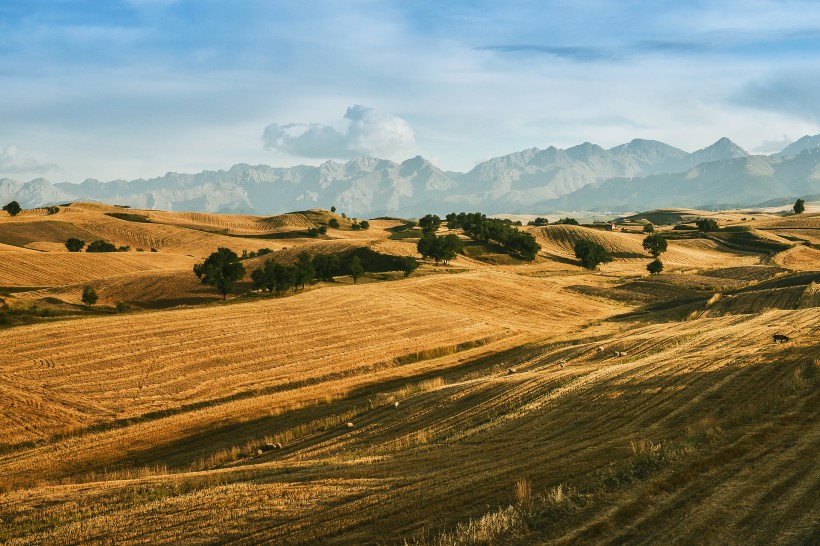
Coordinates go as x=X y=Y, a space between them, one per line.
x=485 y=400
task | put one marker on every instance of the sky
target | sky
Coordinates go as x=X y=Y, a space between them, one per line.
x=137 y=88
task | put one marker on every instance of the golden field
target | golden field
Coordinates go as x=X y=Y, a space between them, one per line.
x=477 y=402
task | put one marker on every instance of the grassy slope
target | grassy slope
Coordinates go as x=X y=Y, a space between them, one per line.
x=524 y=415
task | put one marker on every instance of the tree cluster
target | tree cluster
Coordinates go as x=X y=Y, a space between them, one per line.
x=442 y=248
x=103 y=246
x=502 y=232
x=706 y=224
x=568 y=221
x=356 y=226
x=430 y=223
x=538 y=222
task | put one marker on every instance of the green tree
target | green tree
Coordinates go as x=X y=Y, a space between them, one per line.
x=334 y=223
x=591 y=253
x=305 y=273
x=221 y=270
x=100 y=246
x=408 y=265
x=799 y=206
x=364 y=224
x=655 y=244
x=332 y=209
x=706 y=224
x=649 y=228
x=74 y=245
x=356 y=269
x=439 y=247
x=655 y=266
x=568 y=221
x=89 y=297
x=540 y=221
x=13 y=208
x=429 y=223
x=325 y=266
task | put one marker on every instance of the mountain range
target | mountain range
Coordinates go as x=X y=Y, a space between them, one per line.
x=639 y=175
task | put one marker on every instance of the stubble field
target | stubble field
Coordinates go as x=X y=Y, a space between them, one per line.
x=470 y=403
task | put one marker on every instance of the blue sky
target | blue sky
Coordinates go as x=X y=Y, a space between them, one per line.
x=135 y=88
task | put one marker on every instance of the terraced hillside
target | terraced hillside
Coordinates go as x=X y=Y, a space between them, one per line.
x=469 y=404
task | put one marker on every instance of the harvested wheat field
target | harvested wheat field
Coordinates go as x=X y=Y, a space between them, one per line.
x=465 y=403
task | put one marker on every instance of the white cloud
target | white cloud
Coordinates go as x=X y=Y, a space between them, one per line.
x=12 y=160
x=368 y=133
x=773 y=146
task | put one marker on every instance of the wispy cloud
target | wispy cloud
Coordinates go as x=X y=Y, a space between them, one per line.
x=583 y=54
x=14 y=161
x=785 y=92
x=368 y=132
x=773 y=146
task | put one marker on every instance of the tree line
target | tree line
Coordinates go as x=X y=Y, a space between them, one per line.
x=495 y=230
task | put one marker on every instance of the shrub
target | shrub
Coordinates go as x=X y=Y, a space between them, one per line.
x=649 y=228
x=153 y=249
x=74 y=245
x=706 y=225
x=101 y=246
x=655 y=266
x=364 y=224
x=591 y=253
x=334 y=223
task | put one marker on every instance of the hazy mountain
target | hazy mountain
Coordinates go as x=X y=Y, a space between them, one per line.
x=533 y=180
x=805 y=143
x=734 y=182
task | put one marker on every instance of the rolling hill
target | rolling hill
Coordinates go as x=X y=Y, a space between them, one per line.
x=470 y=403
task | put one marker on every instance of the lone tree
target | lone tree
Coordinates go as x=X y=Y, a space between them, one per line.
x=334 y=223
x=332 y=209
x=799 y=206
x=655 y=266
x=356 y=269
x=649 y=228
x=89 y=296
x=221 y=270
x=13 y=208
x=591 y=253
x=408 y=265
x=706 y=225
x=74 y=245
x=655 y=244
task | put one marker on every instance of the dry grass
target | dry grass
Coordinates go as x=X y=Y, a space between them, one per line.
x=147 y=427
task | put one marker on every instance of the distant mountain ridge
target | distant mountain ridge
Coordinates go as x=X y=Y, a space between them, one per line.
x=637 y=175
